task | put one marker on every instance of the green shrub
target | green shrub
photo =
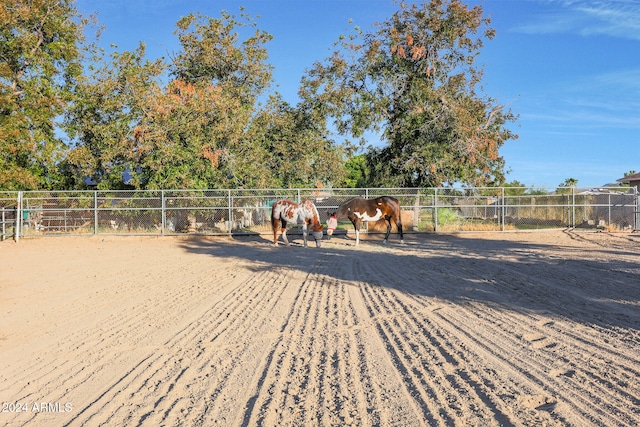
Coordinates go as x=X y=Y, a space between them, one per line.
x=447 y=216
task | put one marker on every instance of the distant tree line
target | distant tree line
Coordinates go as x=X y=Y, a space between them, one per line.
x=73 y=116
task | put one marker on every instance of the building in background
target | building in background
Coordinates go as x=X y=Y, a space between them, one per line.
x=632 y=180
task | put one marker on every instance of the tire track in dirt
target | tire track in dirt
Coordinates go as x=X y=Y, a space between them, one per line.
x=599 y=357
x=495 y=395
x=323 y=370
x=546 y=389
x=428 y=368
x=223 y=407
x=387 y=390
x=303 y=376
x=122 y=340
x=444 y=332
x=432 y=372
x=562 y=365
x=386 y=399
x=210 y=342
x=86 y=343
x=534 y=388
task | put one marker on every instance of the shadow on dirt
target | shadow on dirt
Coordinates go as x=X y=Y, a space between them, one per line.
x=562 y=281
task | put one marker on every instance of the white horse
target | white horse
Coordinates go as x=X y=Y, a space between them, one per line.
x=285 y=211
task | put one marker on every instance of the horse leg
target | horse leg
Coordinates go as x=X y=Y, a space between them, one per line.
x=356 y=225
x=275 y=224
x=304 y=233
x=398 y=222
x=386 y=236
x=284 y=233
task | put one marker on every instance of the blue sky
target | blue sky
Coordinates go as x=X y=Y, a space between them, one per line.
x=569 y=68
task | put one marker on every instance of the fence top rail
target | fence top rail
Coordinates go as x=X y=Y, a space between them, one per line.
x=545 y=190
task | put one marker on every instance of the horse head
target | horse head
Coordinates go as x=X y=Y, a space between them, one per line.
x=316 y=232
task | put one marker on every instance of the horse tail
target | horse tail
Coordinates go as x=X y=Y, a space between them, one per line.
x=396 y=207
x=399 y=211
x=275 y=221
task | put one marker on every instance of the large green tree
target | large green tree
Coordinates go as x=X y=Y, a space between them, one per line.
x=139 y=123
x=205 y=127
x=109 y=109
x=356 y=172
x=39 y=61
x=295 y=148
x=415 y=79
x=228 y=54
x=255 y=145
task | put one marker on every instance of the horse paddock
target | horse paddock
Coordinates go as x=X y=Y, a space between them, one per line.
x=485 y=329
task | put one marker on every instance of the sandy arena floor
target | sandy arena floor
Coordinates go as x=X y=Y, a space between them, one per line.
x=524 y=329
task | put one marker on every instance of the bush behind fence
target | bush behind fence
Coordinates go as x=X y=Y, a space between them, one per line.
x=215 y=212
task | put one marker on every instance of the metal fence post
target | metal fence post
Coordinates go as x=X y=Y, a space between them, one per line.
x=573 y=206
x=163 y=220
x=230 y=228
x=503 y=210
x=95 y=212
x=416 y=211
x=366 y=223
x=435 y=210
x=636 y=209
x=18 y=217
x=609 y=211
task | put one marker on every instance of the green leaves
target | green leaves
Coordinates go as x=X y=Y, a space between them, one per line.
x=39 y=58
x=212 y=52
x=209 y=118
x=195 y=122
x=415 y=78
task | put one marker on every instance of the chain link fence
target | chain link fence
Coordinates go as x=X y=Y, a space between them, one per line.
x=8 y=215
x=218 y=212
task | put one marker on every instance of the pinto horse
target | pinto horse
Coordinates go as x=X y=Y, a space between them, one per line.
x=285 y=211
x=359 y=209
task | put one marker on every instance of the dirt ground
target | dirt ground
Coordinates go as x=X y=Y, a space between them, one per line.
x=524 y=329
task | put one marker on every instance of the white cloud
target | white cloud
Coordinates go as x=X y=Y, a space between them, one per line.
x=615 y=18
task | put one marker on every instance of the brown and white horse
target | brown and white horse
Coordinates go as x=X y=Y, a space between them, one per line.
x=285 y=211
x=360 y=210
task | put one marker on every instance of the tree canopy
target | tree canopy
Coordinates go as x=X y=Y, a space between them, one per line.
x=416 y=80
x=205 y=128
x=208 y=116
x=566 y=186
x=39 y=61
